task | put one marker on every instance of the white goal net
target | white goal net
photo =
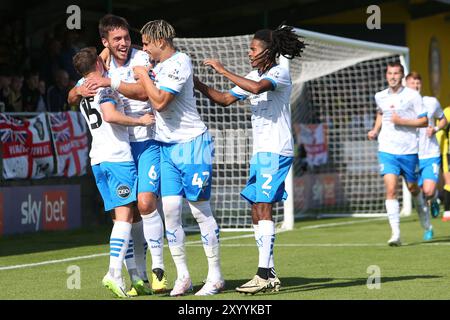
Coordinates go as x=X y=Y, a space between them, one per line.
x=335 y=167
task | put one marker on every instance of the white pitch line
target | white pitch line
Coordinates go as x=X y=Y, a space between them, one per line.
x=327 y=225
x=20 y=266
x=193 y=243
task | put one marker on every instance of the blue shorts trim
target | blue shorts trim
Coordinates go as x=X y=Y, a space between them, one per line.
x=266 y=181
x=405 y=165
x=429 y=169
x=147 y=157
x=117 y=183
x=186 y=168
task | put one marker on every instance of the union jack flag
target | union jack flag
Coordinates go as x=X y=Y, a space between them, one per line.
x=58 y=119
x=4 y=119
x=9 y=135
x=62 y=135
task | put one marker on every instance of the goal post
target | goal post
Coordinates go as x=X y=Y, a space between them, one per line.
x=335 y=76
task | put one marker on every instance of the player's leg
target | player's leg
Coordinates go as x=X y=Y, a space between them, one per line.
x=147 y=157
x=390 y=170
x=392 y=208
x=172 y=202
x=408 y=166
x=446 y=215
x=196 y=169
x=137 y=258
x=117 y=185
x=270 y=172
x=431 y=179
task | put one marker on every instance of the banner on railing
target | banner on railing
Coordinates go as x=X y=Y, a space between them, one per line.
x=31 y=146
x=71 y=143
x=16 y=144
x=314 y=139
x=41 y=148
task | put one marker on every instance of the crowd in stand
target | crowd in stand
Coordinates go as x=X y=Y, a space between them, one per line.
x=36 y=85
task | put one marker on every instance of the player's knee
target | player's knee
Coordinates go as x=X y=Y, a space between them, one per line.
x=429 y=191
x=146 y=203
x=264 y=211
x=414 y=189
x=201 y=210
x=172 y=206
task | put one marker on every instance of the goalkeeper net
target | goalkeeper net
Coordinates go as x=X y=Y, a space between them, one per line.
x=335 y=167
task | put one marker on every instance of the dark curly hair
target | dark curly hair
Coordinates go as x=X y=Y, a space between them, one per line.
x=282 y=41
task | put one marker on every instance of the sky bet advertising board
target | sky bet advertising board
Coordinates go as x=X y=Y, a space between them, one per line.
x=39 y=208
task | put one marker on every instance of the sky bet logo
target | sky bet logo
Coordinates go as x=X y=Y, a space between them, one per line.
x=47 y=213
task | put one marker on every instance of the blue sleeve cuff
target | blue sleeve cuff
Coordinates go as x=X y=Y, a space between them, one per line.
x=239 y=96
x=274 y=84
x=169 y=90
x=422 y=115
x=114 y=102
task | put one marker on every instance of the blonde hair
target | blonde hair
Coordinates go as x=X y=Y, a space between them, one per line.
x=157 y=30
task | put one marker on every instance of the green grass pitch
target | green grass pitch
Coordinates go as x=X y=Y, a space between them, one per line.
x=319 y=259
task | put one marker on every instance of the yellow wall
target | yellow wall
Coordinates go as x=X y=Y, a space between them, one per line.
x=418 y=36
x=419 y=33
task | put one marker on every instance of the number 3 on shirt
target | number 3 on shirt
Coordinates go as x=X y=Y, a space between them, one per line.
x=197 y=181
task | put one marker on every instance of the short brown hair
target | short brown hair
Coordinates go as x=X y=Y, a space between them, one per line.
x=414 y=75
x=111 y=22
x=85 y=60
x=396 y=64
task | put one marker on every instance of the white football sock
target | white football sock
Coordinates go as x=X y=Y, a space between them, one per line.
x=130 y=262
x=154 y=234
x=175 y=235
x=137 y=233
x=120 y=236
x=209 y=232
x=393 y=213
x=258 y=242
x=267 y=237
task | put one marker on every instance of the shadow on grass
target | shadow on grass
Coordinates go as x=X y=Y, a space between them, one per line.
x=297 y=284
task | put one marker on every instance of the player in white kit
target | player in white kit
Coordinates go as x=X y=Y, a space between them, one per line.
x=268 y=88
x=429 y=156
x=400 y=112
x=113 y=167
x=186 y=153
x=148 y=231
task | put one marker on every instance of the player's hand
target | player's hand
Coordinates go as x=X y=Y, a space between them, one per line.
x=395 y=119
x=85 y=91
x=197 y=82
x=430 y=131
x=105 y=56
x=140 y=72
x=94 y=82
x=147 y=119
x=372 y=134
x=215 y=64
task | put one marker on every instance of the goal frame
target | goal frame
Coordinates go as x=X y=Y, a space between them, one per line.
x=403 y=52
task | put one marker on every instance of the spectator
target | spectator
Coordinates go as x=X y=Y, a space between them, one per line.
x=42 y=105
x=51 y=61
x=5 y=90
x=15 y=96
x=68 y=51
x=31 y=95
x=57 y=94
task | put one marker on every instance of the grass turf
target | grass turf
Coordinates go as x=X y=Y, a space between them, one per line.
x=319 y=259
